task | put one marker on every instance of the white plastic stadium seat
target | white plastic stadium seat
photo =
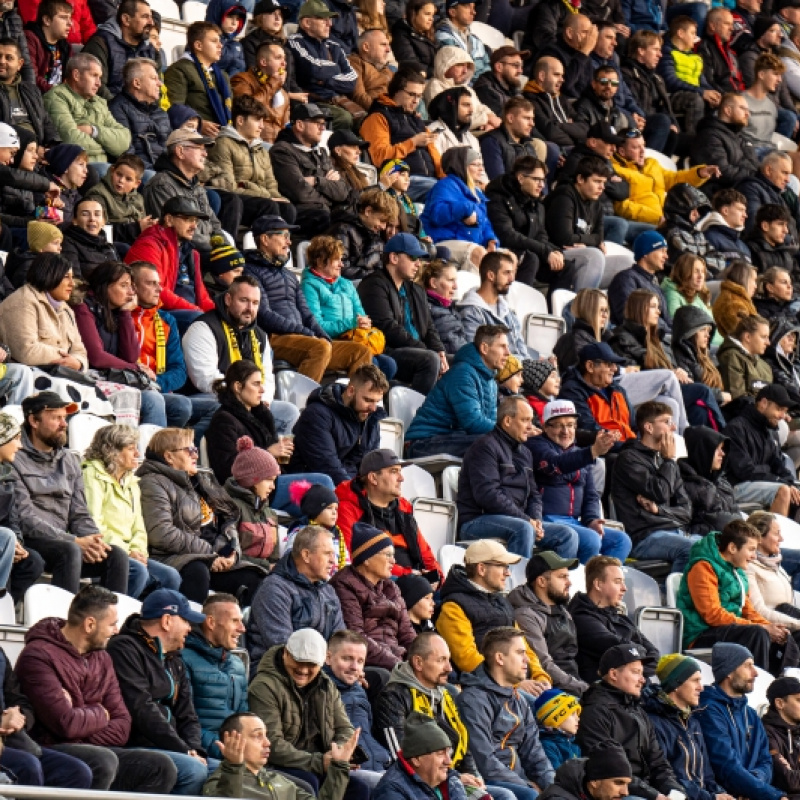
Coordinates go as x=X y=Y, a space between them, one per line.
x=193 y=11
x=12 y=640
x=177 y=52
x=790 y=530
x=417 y=483
x=167 y=8
x=173 y=38
x=464 y=282
x=81 y=430
x=202 y=458
x=450 y=554
x=302 y=249
x=516 y=576
x=524 y=300
x=560 y=299
x=450 y=483
x=127 y=606
x=577 y=580
x=294 y=388
x=249 y=241
x=661 y=626
x=146 y=433
x=665 y=161
x=7 y=615
x=402 y=403
x=391 y=431
x=437 y=521
x=673 y=583
x=542 y=331
x=757 y=699
x=642 y=591
x=488 y=35
x=43 y=600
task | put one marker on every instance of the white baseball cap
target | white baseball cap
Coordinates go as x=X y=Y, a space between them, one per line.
x=307 y=646
x=8 y=136
x=558 y=408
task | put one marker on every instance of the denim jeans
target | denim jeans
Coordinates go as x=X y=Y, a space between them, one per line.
x=419 y=187
x=519 y=535
x=192 y=773
x=454 y=444
x=51 y=768
x=193 y=411
x=613 y=542
x=615 y=229
x=520 y=792
x=497 y=792
x=672 y=546
x=184 y=318
x=791 y=563
x=141 y=575
x=787 y=119
x=8 y=541
x=153 y=410
x=280 y=499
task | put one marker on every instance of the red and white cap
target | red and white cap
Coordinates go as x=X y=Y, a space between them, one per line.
x=558 y=408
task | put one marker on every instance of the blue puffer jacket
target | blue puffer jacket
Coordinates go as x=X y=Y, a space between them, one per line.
x=359 y=712
x=558 y=746
x=737 y=745
x=451 y=201
x=232 y=60
x=282 y=308
x=725 y=240
x=683 y=744
x=564 y=479
x=334 y=305
x=330 y=438
x=219 y=686
x=148 y=123
x=463 y=399
x=285 y=602
x=400 y=782
x=760 y=192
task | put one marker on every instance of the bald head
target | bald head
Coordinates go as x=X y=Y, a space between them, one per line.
x=549 y=74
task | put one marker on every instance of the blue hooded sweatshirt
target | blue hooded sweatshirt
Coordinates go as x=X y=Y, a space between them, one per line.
x=737 y=745
x=232 y=60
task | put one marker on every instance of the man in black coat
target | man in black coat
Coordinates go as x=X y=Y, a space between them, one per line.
x=340 y=425
x=612 y=712
x=515 y=138
x=768 y=186
x=496 y=87
x=598 y=104
x=573 y=48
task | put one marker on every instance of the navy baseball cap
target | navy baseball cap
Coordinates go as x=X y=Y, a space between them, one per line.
x=599 y=351
x=168 y=601
x=406 y=243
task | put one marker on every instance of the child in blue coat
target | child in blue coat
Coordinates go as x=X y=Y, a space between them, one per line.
x=558 y=715
x=231 y=16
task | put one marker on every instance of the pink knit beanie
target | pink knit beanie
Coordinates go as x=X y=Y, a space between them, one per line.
x=253 y=464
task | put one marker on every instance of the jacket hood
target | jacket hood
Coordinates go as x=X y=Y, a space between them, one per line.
x=683 y=198
x=219 y=10
x=449 y=56
x=780 y=327
x=199 y=644
x=457 y=582
x=238 y=492
x=444 y=107
x=713 y=695
x=701 y=444
x=715 y=219
x=111 y=26
x=603 y=694
x=774 y=720
x=479 y=677
x=469 y=354
x=180 y=114
x=37 y=455
x=331 y=396
x=152 y=467
x=50 y=630
x=454 y=162
x=231 y=133
x=403 y=675
x=688 y=320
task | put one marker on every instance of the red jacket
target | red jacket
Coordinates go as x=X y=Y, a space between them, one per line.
x=47 y=667
x=351 y=511
x=159 y=246
x=82 y=23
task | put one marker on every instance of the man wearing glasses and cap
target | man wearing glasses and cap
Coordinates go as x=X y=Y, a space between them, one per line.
x=305 y=172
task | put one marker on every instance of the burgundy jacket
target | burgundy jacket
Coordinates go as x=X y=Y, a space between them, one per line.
x=47 y=666
x=378 y=612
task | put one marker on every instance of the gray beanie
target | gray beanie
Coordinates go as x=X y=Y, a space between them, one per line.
x=726 y=657
x=422 y=735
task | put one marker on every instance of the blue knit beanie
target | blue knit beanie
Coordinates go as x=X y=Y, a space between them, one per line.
x=645 y=243
x=726 y=657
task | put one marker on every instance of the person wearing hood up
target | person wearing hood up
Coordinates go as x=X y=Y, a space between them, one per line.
x=230 y=15
x=454 y=31
x=183 y=117
x=453 y=108
x=117 y=41
x=453 y=66
x=784 y=336
x=723 y=227
x=703 y=474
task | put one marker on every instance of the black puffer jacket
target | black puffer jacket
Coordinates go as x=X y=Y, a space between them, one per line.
x=570 y=344
x=771 y=308
x=86 y=251
x=408 y=45
x=554 y=116
x=363 y=248
x=688 y=320
x=156 y=690
x=784 y=369
x=760 y=191
x=590 y=110
x=629 y=341
x=148 y=123
x=448 y=324
x=726 y=146
x=31 y=99
x=617 y=188
x=491 y=92
x=648 y=89
x=600 y=628
x=713 y=502
x=766 y=255
x=609 y=714
x=500 y=151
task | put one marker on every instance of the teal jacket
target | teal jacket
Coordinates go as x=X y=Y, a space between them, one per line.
x=219 y=686
x=335 y=305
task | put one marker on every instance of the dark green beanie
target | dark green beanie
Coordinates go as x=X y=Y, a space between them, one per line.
x=422 y=735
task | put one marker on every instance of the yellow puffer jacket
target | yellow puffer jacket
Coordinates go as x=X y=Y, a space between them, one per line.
x=649 y=186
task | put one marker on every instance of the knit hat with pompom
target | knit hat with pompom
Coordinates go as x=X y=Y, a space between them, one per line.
x=313 y=498
x=253 y=464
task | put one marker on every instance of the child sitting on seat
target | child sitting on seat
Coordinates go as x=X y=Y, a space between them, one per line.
x=319 y=506
x=558 y=715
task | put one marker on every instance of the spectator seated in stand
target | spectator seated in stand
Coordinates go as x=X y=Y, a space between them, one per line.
x=46 y=36
x=770 y=242
x=780 y=722
x=724 y=226
x=371 y=64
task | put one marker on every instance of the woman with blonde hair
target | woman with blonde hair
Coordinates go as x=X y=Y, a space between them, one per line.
x=191 y=521
x=114 y=500
x=686 y=285
x=371 y=16
x=591 y=312
x=638 y=340
x=735 y=299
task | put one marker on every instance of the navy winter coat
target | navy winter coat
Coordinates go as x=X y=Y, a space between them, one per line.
x=727 y=242
x=232 y=61
x=219 y=686
x=330 y=438
x=148 y=123
x=448 y=324
x=400 y=782
x=760 y=192
x=625 y=283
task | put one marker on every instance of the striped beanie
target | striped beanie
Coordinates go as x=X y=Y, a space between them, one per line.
x=674 y=670
x=366 y=541
x=554 y=706
x=224 y=256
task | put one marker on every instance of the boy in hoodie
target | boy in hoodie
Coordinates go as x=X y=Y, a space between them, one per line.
x=782 y=724
x=558 y=715
x=239 y=164
x=453 y=109
x=702 y=471
x=724 y=225
x=230 y=16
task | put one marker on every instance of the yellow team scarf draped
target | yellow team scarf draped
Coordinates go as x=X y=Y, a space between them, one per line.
x=161 y=344
x=421 y=702
x=233 y=347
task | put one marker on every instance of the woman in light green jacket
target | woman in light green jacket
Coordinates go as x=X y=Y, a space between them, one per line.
x=686 y=286
x=114 y=500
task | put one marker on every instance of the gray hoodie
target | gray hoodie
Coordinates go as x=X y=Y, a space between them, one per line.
x=475 y=311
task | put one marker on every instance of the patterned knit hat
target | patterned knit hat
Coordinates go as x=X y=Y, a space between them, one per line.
x=512 y=367
x=224 y=256
x=534 y=374
x=674 y=670
x=41 y=234
x=253 y=464
x=9 y=428
x=554 y=706
x=367 y=541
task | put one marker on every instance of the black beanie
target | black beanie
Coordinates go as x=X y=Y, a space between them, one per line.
x=316 y=500
x=413 y=588
x=607 y=760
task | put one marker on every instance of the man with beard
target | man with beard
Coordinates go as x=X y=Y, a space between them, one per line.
x=67 y=675
x=156 y=688
x=598 y=101
x=501 y=147
x=207 y=348
x=51 y=502
x=540 y=610
x=781 y=723
x=605 y=775
x=504 y=80
x=453 y=109
x=735 y=737
x=116 y=42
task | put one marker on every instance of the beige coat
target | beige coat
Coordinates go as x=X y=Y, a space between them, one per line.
x=768 y=589
x=37 y=333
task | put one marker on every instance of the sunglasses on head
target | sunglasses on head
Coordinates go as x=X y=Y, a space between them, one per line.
x=631 y=133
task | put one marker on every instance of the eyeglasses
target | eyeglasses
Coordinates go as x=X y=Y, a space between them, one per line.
x=413 y=95
x=504 y=567
x=534 y=178
x=282 y=234
x=608 y=81
x=517 y=64
x=192 y=451
x=562 y=426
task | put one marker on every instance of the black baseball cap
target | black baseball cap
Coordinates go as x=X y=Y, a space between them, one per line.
x=46 y=401
x=270 y=223
x=782 y=687
x=606 y=133
x=304 y=111
x=182 y=206
x=547 y=561
x=621 y=654
x=267 y=7
x=777 y=394
x=376 y=460
x=339 y=138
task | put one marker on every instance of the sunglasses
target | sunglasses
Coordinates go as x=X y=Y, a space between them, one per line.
x=608 y=81
x=631 y=133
